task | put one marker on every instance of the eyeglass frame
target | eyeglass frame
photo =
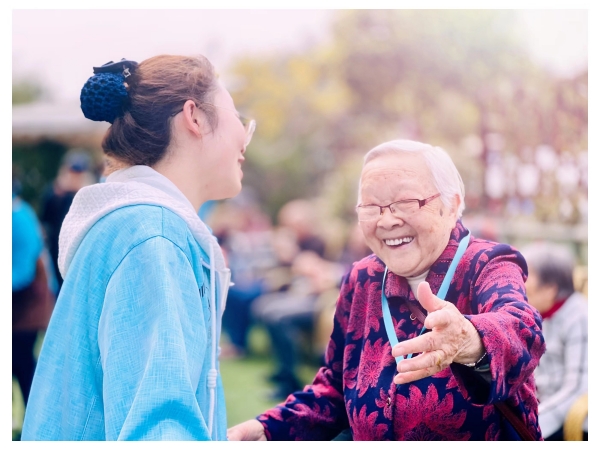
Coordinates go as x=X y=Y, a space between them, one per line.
x=406 y=200
x=249 y=128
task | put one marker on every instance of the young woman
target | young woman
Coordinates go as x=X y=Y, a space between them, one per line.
x=131 y=349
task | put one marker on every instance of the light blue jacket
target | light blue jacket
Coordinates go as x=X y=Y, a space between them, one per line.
x=130 y=351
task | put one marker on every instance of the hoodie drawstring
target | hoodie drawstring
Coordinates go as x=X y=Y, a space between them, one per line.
x=212 y=373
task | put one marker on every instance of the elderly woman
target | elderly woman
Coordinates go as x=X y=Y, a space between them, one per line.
x=468 y=340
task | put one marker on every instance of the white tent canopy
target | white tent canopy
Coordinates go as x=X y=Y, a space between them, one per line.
x=48 y=119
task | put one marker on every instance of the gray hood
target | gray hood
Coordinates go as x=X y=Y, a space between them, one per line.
x=132 y=186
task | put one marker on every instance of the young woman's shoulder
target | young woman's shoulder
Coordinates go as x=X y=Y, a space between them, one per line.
x=141 y=222
x=120 y=231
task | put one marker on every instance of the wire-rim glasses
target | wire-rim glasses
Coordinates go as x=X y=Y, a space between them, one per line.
x=398 y=209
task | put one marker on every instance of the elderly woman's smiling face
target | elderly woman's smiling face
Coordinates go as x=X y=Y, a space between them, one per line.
x=408 y=245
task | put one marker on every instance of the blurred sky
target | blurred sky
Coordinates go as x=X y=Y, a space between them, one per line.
x=60 y=47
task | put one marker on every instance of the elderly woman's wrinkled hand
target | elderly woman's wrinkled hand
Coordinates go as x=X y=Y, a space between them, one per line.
x=250 y=430
x=452 y=339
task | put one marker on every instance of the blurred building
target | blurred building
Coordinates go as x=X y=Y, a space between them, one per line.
x=62 y=122
x=42 y=133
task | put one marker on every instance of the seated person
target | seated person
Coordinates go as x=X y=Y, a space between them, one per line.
x=562 y=375
x=288 y=313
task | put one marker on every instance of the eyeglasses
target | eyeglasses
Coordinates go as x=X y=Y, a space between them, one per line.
x=249 y=127
x=248 y=124
x=399 y=209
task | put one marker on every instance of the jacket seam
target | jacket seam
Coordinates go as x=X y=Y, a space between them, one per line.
x=161 y=235
x=87 y=420
x=157 y=235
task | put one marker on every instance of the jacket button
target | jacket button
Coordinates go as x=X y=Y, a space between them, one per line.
x=388 y=401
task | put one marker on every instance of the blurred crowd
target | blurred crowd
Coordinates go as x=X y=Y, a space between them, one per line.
x=286 y=279
x=36 y=280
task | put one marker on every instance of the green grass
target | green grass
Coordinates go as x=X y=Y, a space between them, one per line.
x=18 y=405
x=18 y=410
x=246 y=391
x=244 y=380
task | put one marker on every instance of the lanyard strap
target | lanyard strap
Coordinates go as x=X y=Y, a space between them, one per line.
x=387 y=316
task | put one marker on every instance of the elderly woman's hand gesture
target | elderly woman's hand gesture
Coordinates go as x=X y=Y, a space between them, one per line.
x=452 y=339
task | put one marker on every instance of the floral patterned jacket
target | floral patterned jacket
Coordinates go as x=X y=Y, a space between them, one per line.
x=355 y=388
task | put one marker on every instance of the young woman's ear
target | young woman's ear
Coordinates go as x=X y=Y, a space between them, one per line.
x=191 y=118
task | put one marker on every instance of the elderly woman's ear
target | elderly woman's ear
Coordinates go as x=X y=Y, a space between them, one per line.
x=453 y=208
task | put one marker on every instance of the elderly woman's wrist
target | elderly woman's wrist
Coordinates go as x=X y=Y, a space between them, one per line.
x=472 y=358
x=474 y=350
x=481 y=365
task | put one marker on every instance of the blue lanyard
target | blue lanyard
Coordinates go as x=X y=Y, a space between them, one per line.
x=387 y=316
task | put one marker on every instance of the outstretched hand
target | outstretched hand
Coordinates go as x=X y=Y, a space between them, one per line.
x=251 y=430
x=452 y=339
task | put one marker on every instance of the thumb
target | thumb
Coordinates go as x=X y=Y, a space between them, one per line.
x=427 y=299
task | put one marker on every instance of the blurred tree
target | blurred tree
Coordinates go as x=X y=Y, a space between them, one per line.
x=457 y=78
x=26 y=91
x=35 y=163
x=35 y=166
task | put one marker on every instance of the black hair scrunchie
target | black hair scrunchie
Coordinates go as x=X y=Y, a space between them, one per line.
x=104 y=94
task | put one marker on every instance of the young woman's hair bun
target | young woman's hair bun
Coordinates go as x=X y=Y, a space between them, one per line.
x=104 y=95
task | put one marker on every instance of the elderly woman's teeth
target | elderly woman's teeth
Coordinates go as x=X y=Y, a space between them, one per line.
x=398 y=241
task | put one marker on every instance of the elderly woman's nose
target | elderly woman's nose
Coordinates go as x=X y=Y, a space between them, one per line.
x=387 y=219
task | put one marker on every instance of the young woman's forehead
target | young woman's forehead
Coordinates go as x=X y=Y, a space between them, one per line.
x=222 y=92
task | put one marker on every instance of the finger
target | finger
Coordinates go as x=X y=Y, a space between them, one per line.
x=251 y=430
x=440 y=319
x=425 y=343
x=427 y=299
x=241 y=432
x=407 y=377
x=423 y=361
x=233 y=434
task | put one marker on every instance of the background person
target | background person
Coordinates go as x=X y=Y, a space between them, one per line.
x=288 y=308
x=288 y=314
x=33 y=291
x=562 y=376
x=74 y=173
x=484 y=340
x=244 y=232
x=131 y=349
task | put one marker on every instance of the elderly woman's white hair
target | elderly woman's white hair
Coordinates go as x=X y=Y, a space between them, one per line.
x=445 y=175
